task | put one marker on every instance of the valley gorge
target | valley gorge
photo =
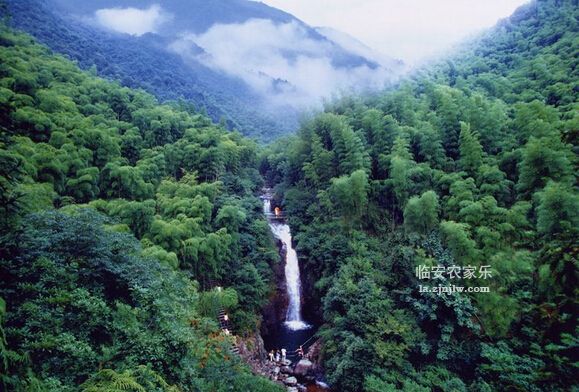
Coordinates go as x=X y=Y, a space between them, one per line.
x=184 y=195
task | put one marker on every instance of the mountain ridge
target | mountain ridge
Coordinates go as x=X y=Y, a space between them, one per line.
x=260 y=102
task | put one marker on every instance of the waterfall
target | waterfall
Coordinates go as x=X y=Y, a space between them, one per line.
x=281 y=231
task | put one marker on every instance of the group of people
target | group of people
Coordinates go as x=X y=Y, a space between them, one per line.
x=280 y=355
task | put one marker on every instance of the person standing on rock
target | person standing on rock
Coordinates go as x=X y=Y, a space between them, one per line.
x=283 y=354
x=270 y=356
x=277 y=355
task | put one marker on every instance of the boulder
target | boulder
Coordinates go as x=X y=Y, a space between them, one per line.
x=286 y=370
x=291 y=381
x=292 y=389
x=276 y=370
x=303 y=367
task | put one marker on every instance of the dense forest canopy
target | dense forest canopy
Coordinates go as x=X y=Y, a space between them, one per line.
x=469 y=164
x=120 y=216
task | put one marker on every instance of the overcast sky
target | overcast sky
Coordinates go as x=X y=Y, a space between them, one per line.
x=411 y=30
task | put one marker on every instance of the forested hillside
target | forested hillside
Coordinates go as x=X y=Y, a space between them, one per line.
x=119 y=216
x=469 y=165
x=144 y=62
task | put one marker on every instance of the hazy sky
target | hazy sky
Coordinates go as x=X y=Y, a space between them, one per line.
x=411 y=30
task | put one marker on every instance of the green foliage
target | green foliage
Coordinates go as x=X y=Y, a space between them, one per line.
x=543 y=159
x=505 y=369
x=400 y=164
x=470 y=150
x=211 y=302
x=557 y=210
x=141 y=379
x=421 y=213
x=471 y=164
x=457 y=239
x=349 y=195
x=468 y=164
x=87 y=302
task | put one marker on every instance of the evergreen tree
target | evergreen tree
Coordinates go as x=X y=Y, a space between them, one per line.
x=471 y=153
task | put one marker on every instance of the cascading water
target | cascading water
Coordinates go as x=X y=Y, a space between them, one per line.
x=267 y=207
x=281 y=231
x=293 y=334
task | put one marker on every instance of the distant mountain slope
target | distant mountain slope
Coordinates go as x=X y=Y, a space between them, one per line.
x=274 y=66
x=353 y=45
x=194 y=15
x=141 y=62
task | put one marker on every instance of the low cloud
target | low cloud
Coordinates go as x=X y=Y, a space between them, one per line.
x=283 y=62
x=132 y=21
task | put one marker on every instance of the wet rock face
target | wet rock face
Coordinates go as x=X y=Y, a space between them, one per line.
x=315 y=355
x=304 y=368
x=291 y=381
x=312 y=306
x=252 y=352
x=286 y=370
x=251 y=347
x=273 y=313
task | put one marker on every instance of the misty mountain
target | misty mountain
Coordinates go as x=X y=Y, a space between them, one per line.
x=242 y=62
x=355 y=46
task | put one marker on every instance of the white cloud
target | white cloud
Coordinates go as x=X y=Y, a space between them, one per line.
x=280 y=61
x=411 y=30
x=132 y=21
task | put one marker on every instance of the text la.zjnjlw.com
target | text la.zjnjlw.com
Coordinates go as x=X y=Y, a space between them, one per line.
x=452 y=289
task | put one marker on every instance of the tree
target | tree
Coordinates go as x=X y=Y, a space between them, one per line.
x=350 y=196
x=131 y=145
x=231 y=217
x=125 y=182
x=400 y=164
x=470 y=150
x=558 y=210
x=431 y=149
x=319 y=170
x=457 y=238
x=85 y=187
x=544 y=159
x=12 y=171
x=421 y=213
x=492 y=181
x=504 y=369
